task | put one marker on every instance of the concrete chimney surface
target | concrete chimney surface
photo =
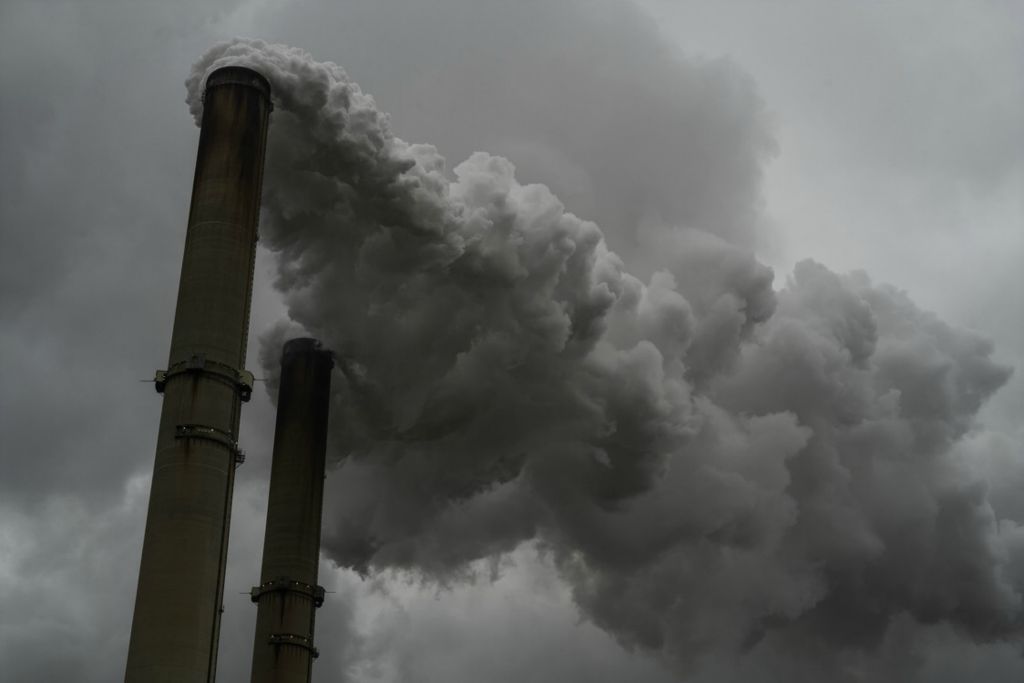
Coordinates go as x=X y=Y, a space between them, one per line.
x=175 y=629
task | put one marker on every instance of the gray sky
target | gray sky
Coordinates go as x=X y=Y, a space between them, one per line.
x=885 y=137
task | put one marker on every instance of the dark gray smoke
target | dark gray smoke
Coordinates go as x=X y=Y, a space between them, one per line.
x=713 y=465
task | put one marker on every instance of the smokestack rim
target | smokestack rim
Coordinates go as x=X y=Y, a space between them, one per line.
x=237 y=74
x=304 y=345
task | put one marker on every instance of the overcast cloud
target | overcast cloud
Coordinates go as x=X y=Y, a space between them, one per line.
x=886 y=137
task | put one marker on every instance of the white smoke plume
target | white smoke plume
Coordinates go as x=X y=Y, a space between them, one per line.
x=714 y=466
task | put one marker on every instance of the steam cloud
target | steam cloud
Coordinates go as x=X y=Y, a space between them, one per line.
x=714 y=466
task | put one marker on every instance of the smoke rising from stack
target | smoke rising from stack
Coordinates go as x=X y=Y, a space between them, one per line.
x=713 y=465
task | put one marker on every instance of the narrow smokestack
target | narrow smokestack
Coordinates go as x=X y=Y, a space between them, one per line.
x=288 y=594
x=176 y=625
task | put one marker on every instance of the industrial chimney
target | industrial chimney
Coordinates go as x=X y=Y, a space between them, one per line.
x=176 y=625
x=288 y=594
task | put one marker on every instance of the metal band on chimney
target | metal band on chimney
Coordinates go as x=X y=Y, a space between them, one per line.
x=295 y=641
x=286 y=585
x=239 y=380
x=191 y=431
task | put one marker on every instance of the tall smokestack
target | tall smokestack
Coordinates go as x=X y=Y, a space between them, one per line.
x=176 y=625
x=288 y=594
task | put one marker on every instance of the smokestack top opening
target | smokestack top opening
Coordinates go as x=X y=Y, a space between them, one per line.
x=304 y=345
x=239 y=75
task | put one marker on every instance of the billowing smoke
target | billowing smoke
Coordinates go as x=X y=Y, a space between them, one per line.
x=713 y=465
